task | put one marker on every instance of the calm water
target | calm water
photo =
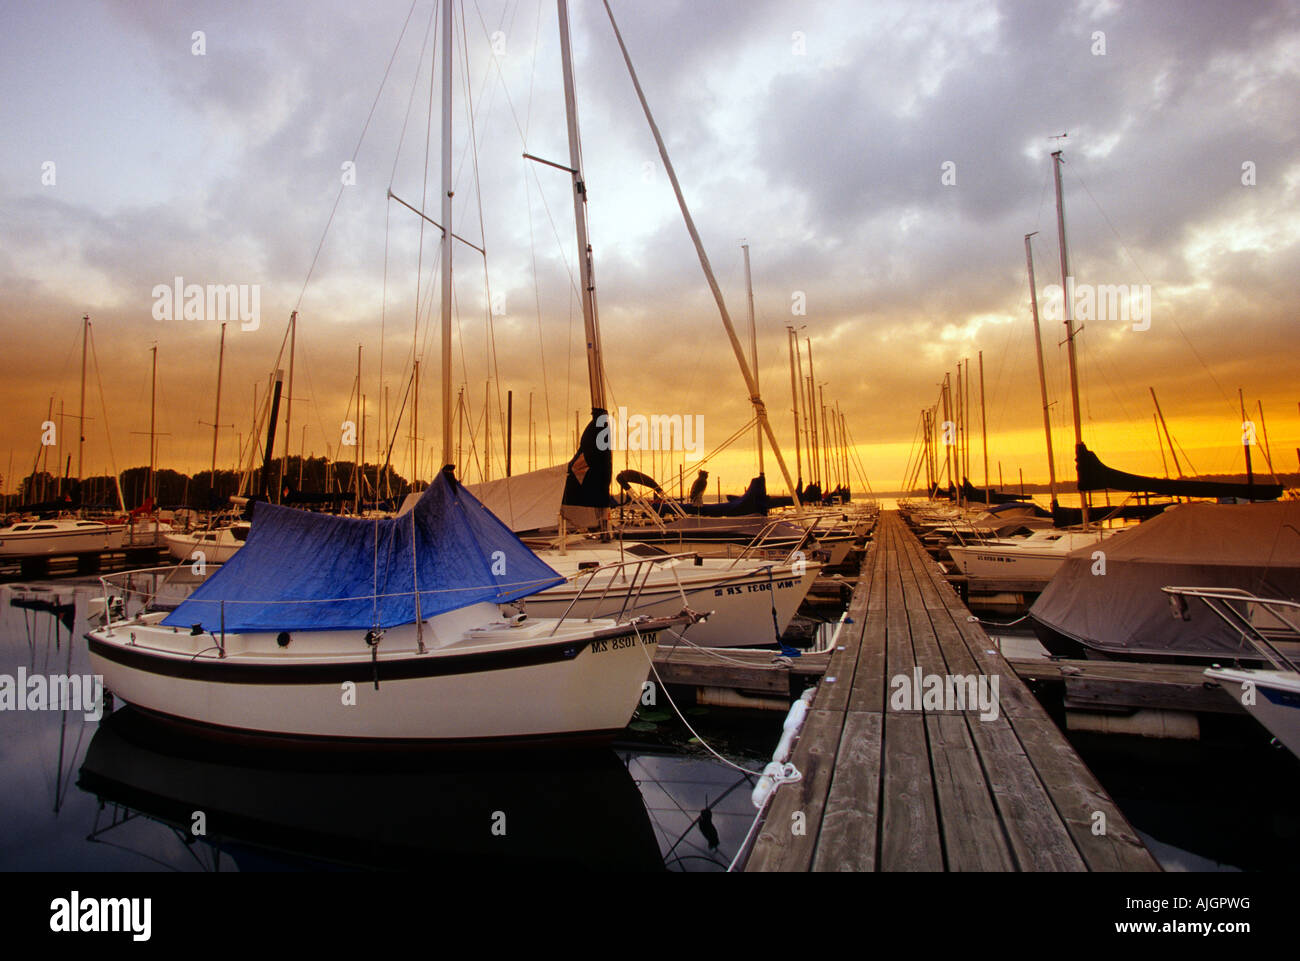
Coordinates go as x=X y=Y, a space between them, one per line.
x=123 y=794
x=81 y=795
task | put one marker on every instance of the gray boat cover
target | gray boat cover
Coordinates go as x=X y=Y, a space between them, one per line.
x=1255 y=547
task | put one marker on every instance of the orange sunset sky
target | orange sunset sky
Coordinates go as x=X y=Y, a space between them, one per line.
x=882 y=161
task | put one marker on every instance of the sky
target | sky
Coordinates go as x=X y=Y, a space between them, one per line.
x=882 y=161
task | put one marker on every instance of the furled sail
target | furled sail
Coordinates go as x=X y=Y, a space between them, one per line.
x=586 y=486
x=976 y=495
x=1096 y=476
x=304 y=571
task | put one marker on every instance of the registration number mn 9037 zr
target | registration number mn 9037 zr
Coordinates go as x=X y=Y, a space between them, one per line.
x=601 y=645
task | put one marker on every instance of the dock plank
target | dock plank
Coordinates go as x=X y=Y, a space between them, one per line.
x=963 y=790
x=909 y=823
x=848 y=840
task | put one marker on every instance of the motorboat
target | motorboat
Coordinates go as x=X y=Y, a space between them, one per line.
x=1112 y=606
x=217 y=545
x=1035 y=557
x=54 y=537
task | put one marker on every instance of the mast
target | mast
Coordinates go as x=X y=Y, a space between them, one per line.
x=590 y=323
x=984 y=435
x=1161 y=415
x=961 y=468
x=216 y=417
x=826 y=437
x=270 y=432
x=844 y=435
x=947 y=419
x=792 y=339
x=81 y=419
x=288 y=406
x=358 y=445
x=1245 y=442
x=446 y=231
x=1164 y=464
x=415 y=430
x=1042 y=375
x=1268 y=454
x=812 y=417
x=751 y=383
x=1066 y=290
x=153 y=412
x=753 y=349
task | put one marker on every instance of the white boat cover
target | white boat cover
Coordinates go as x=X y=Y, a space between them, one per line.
x=1251 y=546
x=525 y=502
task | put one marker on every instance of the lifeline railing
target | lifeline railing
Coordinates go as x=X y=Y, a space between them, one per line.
x=121 y=587
x=1219 y=600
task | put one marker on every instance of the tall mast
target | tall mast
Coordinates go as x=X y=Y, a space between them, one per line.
x=812 y=416
x=216 y=417
x=844 y=435
x=1161 y=415
x=590 y=323
x=967 y=410
x=1066 y=290
x=446 y=231
x=947 y=419
x=288 y=406
x=793 y=340
x=358 y=444
x=961 y=467
x=826 y=438
x=984 y=435
x=81 y=419
x=1245 y=442
x=153 y=410
x=753 y=348
x=1042 y=375
x=415 y=430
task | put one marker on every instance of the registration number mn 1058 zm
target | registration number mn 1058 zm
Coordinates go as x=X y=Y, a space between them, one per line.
x=619 y=643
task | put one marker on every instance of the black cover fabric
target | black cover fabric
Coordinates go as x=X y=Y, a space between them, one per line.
x=1096 y=476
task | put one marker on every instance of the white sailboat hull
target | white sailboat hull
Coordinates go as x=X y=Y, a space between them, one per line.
x=741 y=603
x=499 y=683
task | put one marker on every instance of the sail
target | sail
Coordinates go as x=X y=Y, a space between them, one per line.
x=1096 y=476
x=525 y=502
x=753 y=501
x=304 y=571
x=976 y=495
x=586 y=485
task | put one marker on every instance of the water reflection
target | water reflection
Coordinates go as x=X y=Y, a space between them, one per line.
x=122 y=795
x=269 y=809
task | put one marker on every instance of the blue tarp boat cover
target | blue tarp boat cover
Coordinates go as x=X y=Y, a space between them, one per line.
x=304 y=571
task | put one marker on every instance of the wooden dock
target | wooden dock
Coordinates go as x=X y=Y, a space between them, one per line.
x=89 y=563
x=932 y=790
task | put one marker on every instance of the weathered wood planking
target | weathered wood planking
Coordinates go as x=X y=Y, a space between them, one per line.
x=898 y=790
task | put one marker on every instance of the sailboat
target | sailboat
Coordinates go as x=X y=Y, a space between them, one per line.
x=383 y=629
x=61 y=535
